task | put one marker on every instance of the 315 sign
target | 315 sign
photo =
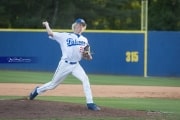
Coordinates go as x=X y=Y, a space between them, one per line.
x=132 y=56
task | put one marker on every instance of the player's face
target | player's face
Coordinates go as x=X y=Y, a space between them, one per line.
x=79 y=28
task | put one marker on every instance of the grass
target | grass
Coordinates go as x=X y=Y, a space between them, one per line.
x=148 y=104
x=123 y=118
x=42 y=77
x=170 y=107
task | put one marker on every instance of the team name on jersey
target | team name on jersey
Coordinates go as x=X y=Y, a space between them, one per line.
x=74 y=42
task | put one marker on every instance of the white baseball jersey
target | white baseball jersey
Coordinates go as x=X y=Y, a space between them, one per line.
x=71 y=45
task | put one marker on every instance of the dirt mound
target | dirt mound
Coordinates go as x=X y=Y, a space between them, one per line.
x=37 y=109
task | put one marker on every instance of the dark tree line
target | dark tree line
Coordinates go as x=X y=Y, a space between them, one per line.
x=99 y=14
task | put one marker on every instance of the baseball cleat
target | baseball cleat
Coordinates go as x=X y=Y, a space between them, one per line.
x=92 y=106
x=33 y=94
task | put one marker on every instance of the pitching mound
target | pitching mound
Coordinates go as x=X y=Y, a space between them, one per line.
x=36 y=109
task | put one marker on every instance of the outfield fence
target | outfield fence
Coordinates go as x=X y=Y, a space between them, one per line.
x=115 y=52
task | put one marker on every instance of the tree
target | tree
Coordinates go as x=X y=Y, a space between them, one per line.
x=164 y=15
x=99 y=14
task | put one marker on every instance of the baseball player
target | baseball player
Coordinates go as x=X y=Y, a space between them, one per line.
x=74 y=46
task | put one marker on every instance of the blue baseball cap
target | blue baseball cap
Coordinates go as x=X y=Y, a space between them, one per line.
x=80 y=21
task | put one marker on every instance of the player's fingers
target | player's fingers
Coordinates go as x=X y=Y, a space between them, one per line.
x=44 y=23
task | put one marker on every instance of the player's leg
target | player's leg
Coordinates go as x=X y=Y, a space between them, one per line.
x=62 y=71
x=79 y=73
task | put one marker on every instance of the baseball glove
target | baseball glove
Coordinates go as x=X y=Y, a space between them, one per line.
x=87 y=53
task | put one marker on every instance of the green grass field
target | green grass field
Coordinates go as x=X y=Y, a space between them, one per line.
x=171 y=106
x=42 y=77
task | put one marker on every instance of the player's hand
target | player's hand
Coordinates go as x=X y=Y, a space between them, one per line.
x=48 y=29
x=45 y=23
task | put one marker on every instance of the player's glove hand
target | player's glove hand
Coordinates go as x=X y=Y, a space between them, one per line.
x=87 y=53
